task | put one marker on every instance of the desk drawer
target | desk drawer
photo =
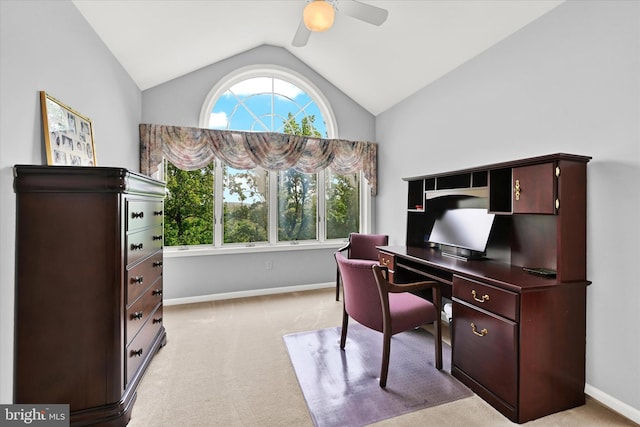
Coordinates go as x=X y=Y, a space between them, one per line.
x=389 y=261
x=487 y=297
x=485 y=348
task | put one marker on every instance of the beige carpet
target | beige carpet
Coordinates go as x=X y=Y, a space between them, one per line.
x=226 y=364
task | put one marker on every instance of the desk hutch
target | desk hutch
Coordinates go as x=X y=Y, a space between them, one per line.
x=88 y=288
x=518 y=339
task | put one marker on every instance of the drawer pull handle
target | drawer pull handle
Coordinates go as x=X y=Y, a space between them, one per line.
x=137 y=280
x=137 y=247
x=135 y=215
x=137 y=315
x=517 y=189
x=156 y=292
x=158 y=320
x=482 y=333
x=158 y=237
x=136 y=353
x=157 y=213
x=481 y=299
x=157 y=263
x=385 y=262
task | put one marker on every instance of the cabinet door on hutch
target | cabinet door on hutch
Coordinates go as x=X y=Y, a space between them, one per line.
x=534 y=189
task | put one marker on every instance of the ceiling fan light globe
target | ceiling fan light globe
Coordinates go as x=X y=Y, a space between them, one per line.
x=318 y=16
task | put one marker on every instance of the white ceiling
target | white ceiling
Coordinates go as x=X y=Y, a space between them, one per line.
x=421 y=40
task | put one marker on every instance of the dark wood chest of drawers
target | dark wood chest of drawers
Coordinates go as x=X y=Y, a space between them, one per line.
x=88 y=288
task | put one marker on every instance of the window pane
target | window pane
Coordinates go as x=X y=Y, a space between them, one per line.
x=297 y=206
x=342 y=204
x=188 y=206
x=246 y=213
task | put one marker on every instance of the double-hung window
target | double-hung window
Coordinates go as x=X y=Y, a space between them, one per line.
x=223 y=206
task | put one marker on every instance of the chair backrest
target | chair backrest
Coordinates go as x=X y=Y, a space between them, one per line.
x=363 y=246
x=361 y=295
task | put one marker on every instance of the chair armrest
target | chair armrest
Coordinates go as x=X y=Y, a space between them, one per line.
x=412 y=287
x=385 y=271
x=345 y=247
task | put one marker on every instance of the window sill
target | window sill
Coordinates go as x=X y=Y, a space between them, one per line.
x=207 y=250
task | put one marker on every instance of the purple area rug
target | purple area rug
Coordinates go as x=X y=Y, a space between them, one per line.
x=341 y=388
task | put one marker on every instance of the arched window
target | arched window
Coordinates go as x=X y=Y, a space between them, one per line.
x=255 y=206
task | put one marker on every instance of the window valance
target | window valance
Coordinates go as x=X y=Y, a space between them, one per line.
x=192 y=148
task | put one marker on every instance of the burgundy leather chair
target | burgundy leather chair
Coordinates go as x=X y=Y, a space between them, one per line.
x=389 y=308
x=361 y=246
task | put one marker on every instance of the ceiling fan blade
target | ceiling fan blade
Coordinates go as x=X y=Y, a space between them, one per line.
x=302 y=35
x=364 y=12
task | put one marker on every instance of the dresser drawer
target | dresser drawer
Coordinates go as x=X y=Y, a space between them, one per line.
x=485 y=348
x=487 y=297
x=143 y=243
x=138 y=350
x=143 y=213
x=139 y=277
x=139 y=312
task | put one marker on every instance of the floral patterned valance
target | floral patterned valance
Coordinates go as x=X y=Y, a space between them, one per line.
x=193 y=148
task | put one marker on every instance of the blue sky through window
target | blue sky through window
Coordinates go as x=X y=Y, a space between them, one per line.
x=262 y=104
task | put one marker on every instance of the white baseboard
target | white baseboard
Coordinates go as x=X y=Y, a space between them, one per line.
x=244 y=294
x=607 y=400
x=612 y=403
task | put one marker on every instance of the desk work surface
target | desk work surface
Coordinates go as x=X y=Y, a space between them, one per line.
x=511 y=277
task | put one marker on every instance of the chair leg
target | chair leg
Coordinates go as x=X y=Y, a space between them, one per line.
x=386 y=350
x=338 y=285
x=438 y=346
x=345 y=324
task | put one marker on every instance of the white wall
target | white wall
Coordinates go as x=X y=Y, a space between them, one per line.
x=569 y=82
x=49 y=46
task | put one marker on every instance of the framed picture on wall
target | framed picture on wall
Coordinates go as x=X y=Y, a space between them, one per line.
x=68 y=135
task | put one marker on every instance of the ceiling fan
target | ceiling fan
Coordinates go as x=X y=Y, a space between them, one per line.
x=318 y=16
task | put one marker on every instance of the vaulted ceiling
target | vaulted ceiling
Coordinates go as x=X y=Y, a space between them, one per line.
x=421 y=40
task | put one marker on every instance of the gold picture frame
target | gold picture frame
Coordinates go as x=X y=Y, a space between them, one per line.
x=68 y=135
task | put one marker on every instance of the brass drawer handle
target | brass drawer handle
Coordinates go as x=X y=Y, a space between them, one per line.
x=482 y=333
x=156 y=292
x=136 y=353
x=385 y=262
x=157 y=264
x=137 y=315
x=137 y=280
x=475 y=296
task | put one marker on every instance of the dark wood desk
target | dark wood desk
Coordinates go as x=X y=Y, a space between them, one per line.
x=518 y=339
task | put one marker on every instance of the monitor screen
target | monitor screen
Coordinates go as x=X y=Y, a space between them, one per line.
x=464 y=228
